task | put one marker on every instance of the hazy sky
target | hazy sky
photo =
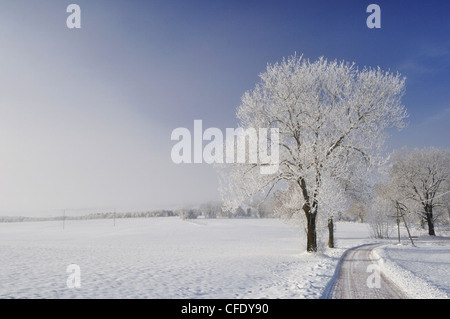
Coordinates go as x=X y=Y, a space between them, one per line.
x=86 y=114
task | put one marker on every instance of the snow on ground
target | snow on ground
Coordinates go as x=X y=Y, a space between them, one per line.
x=165 y=258
x=170 y=258
x=422 y=271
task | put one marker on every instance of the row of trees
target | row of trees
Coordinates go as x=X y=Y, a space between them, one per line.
x=211 y=209
x=413 y=183
x=69 y=215
x=215 y=210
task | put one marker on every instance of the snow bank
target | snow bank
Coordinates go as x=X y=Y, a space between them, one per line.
x=422 y=272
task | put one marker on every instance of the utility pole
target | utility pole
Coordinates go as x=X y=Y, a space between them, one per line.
x=330 y=232
x=400 y=213
x=404 y=221
x=398 y=220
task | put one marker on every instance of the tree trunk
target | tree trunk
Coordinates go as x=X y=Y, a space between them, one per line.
x=422 y=221
x=448 y=211
x=310 y=213
x=330 y=233
x=311 y=236
x=429 y=218
x=430 y=224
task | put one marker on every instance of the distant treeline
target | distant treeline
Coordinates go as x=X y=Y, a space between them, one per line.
x=106 y=215
x=207 y=210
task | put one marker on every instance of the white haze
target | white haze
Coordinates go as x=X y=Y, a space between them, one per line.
x=70 y=138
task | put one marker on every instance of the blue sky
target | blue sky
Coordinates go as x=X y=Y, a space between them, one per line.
x=86 y=114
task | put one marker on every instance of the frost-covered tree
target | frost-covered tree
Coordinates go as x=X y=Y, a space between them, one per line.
x=326 y=112
x=333 y=200
x=358 y=190
x=381 y=211
x=421 y=178
x=187 y=213
x=211 y=209
x=261 y=209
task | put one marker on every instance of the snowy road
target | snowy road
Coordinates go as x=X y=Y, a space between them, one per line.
x=359 y=277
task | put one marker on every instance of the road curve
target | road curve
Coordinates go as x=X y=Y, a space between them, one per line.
x=357 y=277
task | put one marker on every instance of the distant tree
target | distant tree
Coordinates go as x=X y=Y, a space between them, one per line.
x=239 y=212
x=261 y=209
x=211 y=209
x=358 y=211
x=380 y=212
x=188 y=214
x=421 y=177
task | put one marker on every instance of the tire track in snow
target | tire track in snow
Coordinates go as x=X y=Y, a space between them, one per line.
x=350 y=279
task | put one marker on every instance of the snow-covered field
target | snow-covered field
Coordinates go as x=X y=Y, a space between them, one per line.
x=422 y=271
x=170 y=258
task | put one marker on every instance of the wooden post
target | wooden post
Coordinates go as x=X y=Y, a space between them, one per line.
x=398 y=221
x=406 y=225
x=330 y=233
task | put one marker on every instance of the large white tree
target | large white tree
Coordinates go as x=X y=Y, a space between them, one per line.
x=329 y=114
x=421 y=181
